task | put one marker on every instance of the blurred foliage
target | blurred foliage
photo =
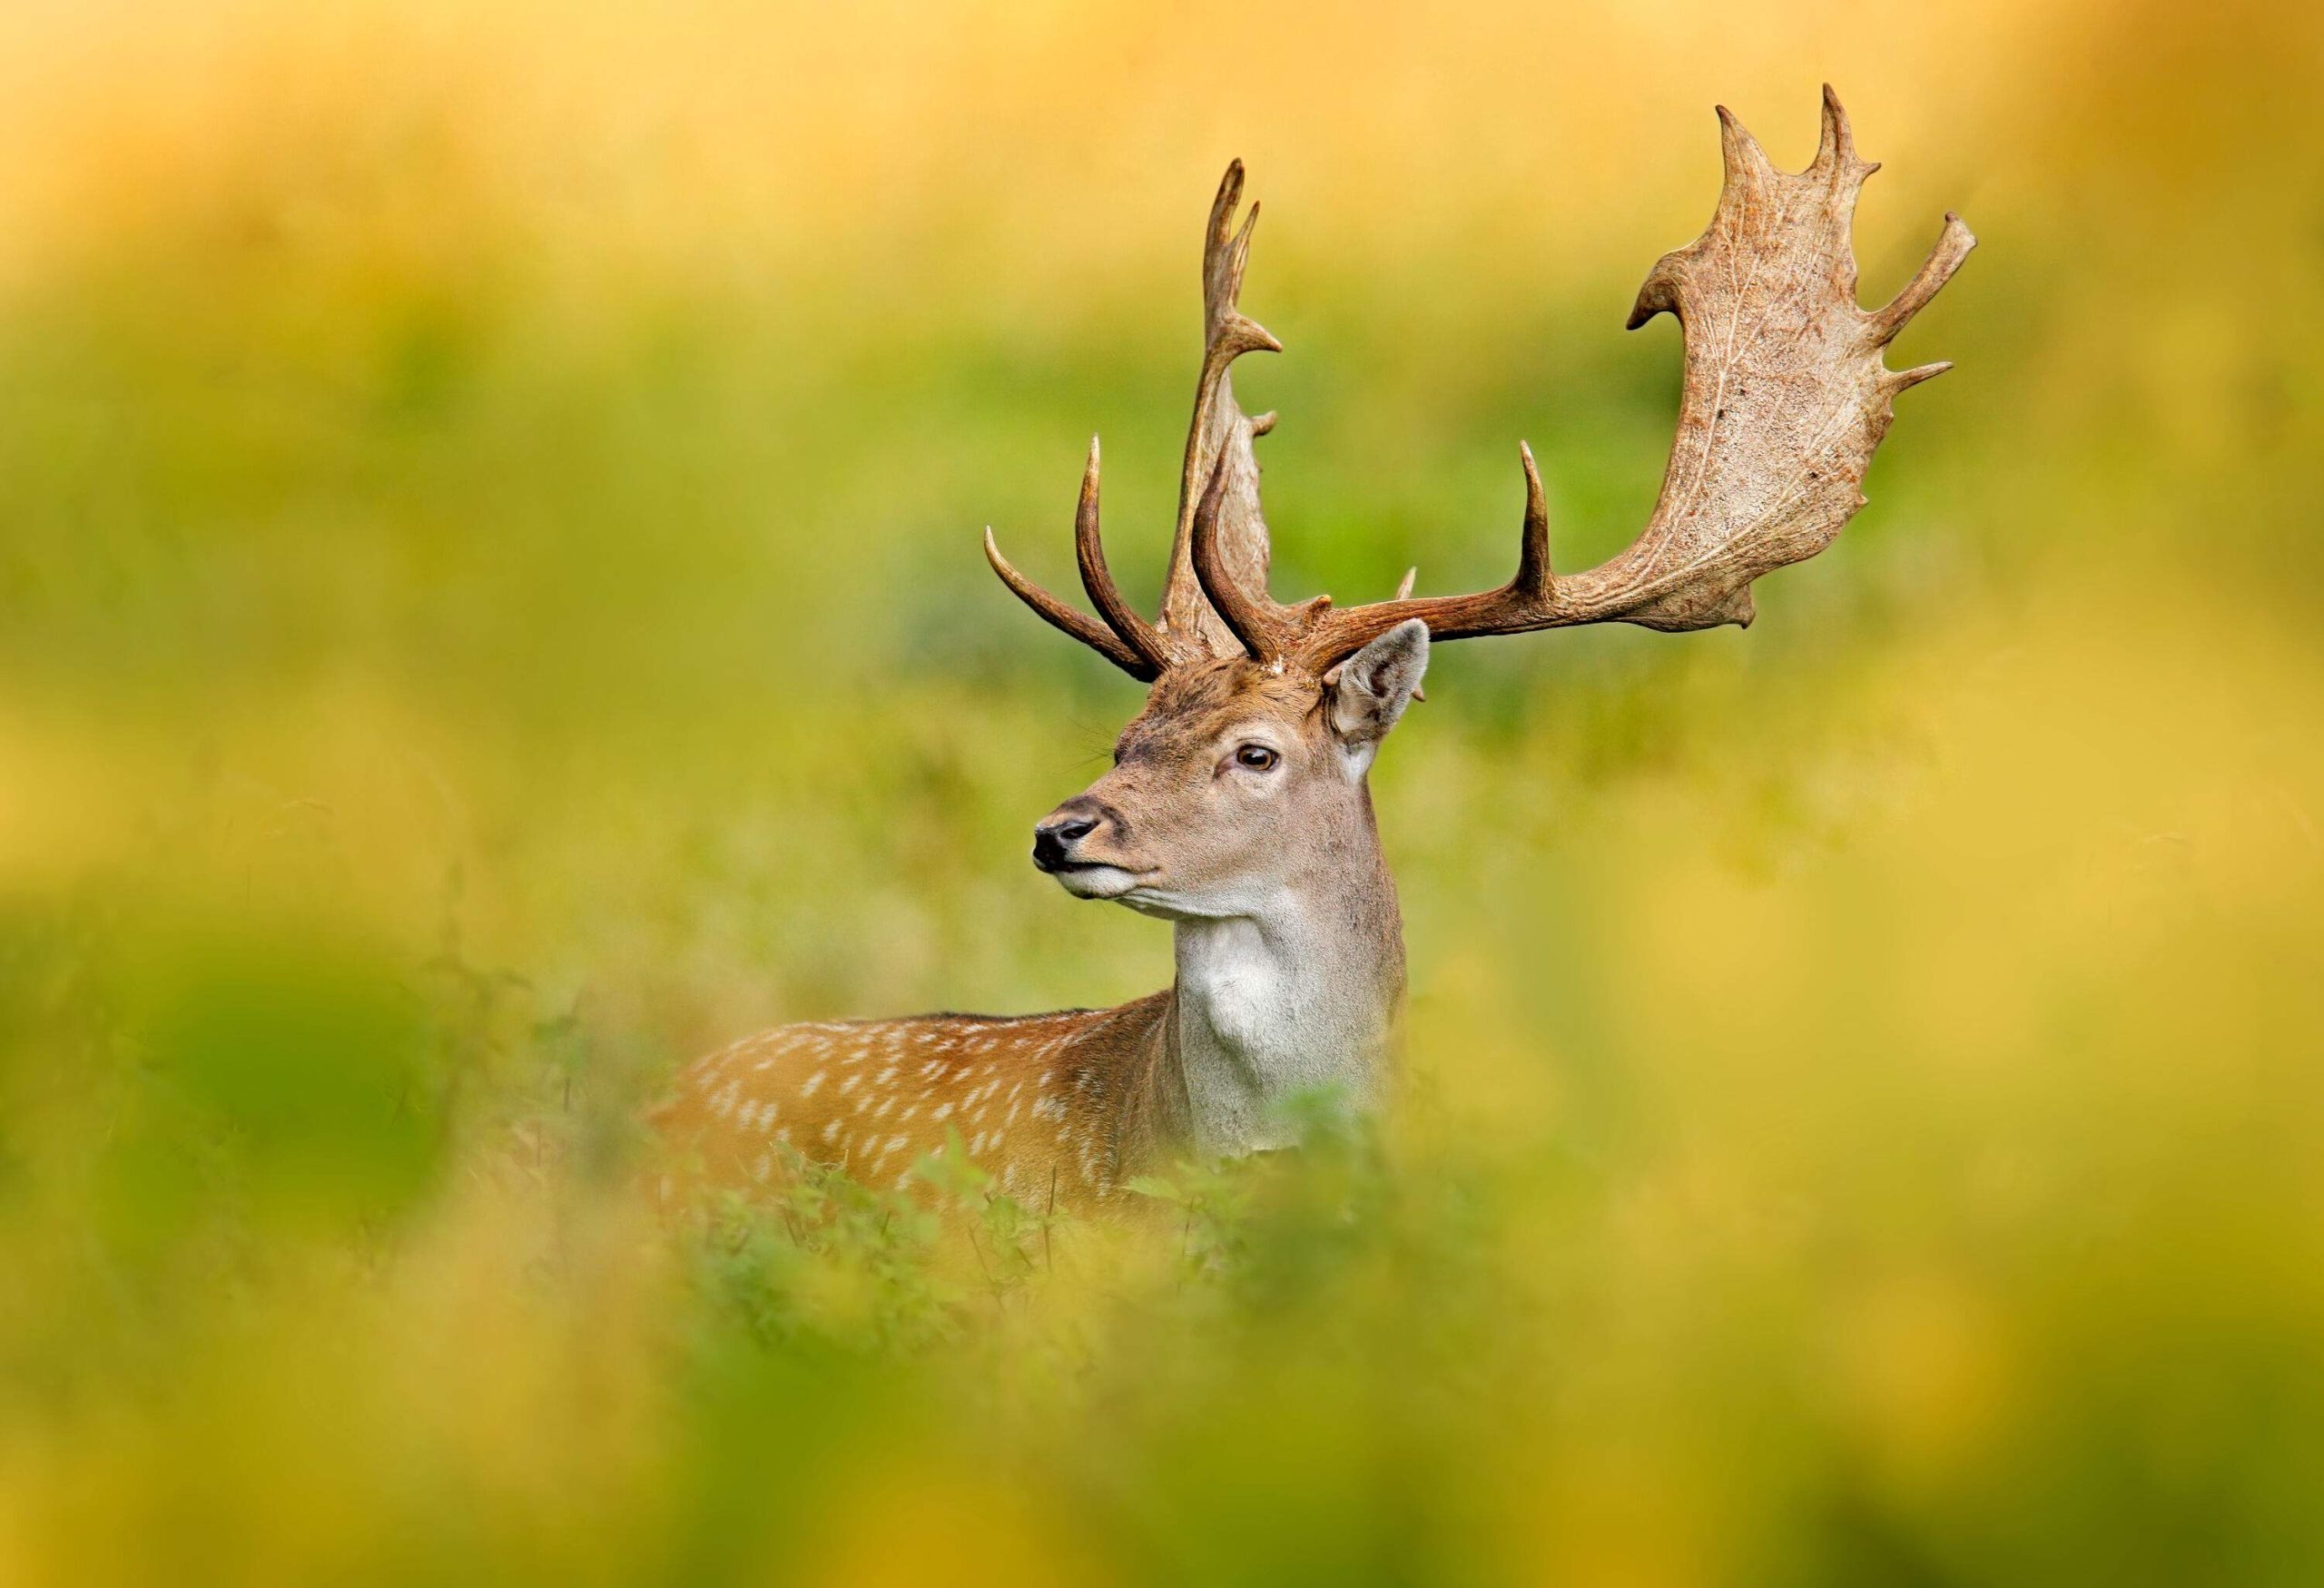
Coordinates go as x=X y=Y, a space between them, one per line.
x=489 y=607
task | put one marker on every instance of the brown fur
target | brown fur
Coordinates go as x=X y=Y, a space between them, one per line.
x=1066 y=1103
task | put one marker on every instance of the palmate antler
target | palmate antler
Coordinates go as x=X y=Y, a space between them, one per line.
x=1785 y=397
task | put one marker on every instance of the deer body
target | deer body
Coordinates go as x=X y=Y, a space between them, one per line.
x=1237 y=806
x=1073 y=1102
x=1048 y=1102
x=1290 y=976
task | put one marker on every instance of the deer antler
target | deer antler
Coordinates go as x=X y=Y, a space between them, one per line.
x=1126 y=639
x=1785 y=397
x=1219 y=458
x=1219 y=449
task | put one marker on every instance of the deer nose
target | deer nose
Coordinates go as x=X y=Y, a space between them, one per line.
x=1054 y=839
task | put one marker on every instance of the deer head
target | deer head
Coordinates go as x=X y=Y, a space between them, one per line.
x=1248 y=761
x=1233 y=776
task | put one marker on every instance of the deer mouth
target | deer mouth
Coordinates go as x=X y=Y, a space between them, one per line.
x=1094 y=879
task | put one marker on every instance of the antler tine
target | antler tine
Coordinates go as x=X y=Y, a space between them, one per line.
x=1836 y=143
x=1528 y=601
x=1951 y=247
x=1784 y=400
x=1089 y=553
x=1531 y=584
x=1257 y=624
x=1225 y=253
x=1215 y=234
x=1060 y=616
x=1740 y=158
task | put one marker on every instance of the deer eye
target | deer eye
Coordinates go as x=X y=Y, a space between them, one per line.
x=1256 y=757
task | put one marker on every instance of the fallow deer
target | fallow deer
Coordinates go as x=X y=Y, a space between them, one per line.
x=1237 y=808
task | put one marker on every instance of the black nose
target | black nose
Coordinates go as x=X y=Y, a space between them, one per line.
x=1053 y=840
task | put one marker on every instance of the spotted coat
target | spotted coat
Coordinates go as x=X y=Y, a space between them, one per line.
x=1066 y=1105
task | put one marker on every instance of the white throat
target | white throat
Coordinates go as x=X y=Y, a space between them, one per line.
x=1300 y=997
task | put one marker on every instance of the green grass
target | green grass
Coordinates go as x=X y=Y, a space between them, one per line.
x=490 y=609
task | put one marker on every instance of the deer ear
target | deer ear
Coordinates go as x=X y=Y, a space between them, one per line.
x=1365 y=695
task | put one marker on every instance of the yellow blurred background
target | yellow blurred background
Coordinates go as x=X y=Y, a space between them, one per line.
x=490 y=606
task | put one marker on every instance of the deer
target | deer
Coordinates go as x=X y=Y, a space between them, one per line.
x=1237 y=806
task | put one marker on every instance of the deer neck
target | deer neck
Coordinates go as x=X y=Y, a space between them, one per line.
x=1297 y=993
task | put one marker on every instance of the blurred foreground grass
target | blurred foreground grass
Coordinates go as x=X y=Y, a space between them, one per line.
x=489 y=606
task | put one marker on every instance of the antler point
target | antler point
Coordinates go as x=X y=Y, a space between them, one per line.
x=1954 y=243
x=1251 y=337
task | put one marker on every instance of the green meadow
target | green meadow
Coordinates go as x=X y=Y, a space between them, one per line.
x=491 y=607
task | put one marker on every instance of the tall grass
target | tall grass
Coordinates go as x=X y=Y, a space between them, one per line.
x=489 y=607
